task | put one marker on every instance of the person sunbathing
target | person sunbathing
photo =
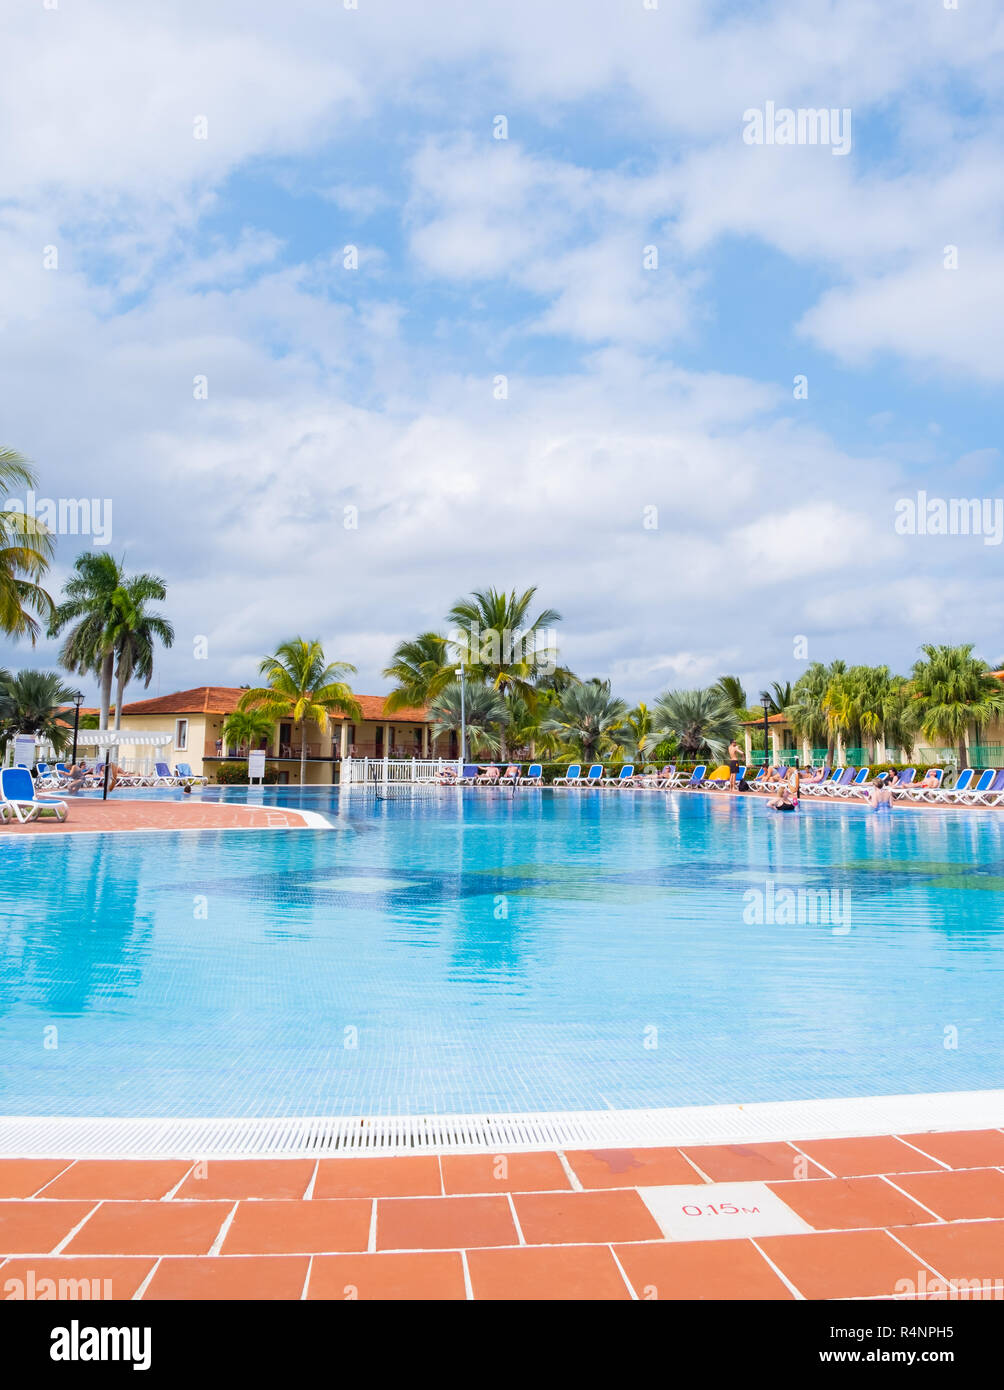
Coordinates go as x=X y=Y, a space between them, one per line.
x=932 y=779
x=814 y=774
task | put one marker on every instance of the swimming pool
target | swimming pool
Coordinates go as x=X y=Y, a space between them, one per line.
x=477 y=952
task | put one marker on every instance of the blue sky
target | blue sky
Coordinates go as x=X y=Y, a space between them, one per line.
x=627 y=388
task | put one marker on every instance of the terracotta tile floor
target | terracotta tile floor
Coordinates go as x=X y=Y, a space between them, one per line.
x=119 y=813
x=871 y=1217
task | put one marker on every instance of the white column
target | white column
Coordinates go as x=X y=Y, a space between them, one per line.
x=748 y=738
x=343 y=743
x=807 y=752
x=775 y=743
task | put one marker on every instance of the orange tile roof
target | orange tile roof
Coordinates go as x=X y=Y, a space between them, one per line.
x=224 y=699
x=757 y=723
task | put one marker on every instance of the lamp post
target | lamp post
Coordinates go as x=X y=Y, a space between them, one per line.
x=78 y=700
x=463 y=719
x=767 y=704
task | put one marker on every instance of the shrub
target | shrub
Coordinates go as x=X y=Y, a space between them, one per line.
x=236 y=775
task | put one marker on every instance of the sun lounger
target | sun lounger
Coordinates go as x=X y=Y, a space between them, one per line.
x=469 y=774
x=534 y=776
x=572 y=777
x=624 y=779
x=823 y=788
x=183 y=770
x=164 y=777
x=18 y=794
x=975 y=793
x=664 y=778
x=489 y=777
x=594 y=777
x=993 y=794
x=511 y=775
x=696 y=777
x=918 y=792
x=858 y=784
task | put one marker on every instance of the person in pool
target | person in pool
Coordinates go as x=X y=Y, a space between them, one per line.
x=787 y=793
x=880 y=794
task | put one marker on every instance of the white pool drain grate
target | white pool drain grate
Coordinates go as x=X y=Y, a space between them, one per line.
x=40 y=1136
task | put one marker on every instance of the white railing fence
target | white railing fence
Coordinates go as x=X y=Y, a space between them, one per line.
x=382 y=772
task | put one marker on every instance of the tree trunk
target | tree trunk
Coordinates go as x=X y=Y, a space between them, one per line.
x=303 y=751
x=963 y=760
x=107 y=664
x=119 y=694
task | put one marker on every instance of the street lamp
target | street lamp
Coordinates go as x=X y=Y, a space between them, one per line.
x=78 y=700
x=767 y=703
x=463 y=719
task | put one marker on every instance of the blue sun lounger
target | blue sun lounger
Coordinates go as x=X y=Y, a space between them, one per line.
x=18 y=795
x=696 y=777
x=571 y=778
x=534 y=776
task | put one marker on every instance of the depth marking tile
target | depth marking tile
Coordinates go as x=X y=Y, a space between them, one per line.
x=721 y=1211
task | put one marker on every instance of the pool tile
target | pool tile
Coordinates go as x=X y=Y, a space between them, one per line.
x=752 y=1162
x=849 y=1203
x=36 y=1228
x=721 y=1211
x=444 y=1223
x=858 y=1158
x=412 y=1176
x=725 y=1269
x=246 y=1178
x=584 y=1217
x=229 y=1277
x=125 y=1179
x=299 y=1228
x=841 y=1264
x=150 y=1228
x=533 y=1172
x=107 y=1277
x=966 y=1194
x=22 y=1177
x=424 y=1274
x=959 y=1250
x=542 y=1273
x=977 y=1148
x=630 y=1167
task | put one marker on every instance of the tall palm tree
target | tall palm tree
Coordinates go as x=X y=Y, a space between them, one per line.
x=868 y=702
x=89 y=603
x=497 y=641
x=955 y=690
x=134 y=632
x=588 y=717
x=422 y=669
x=806 y=710
x=26 y=548
x=302 y=686
x=34 y=702
x=699 y=720
x=246 y=727
x=485 y=714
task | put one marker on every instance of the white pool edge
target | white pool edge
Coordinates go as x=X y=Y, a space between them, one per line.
x=361 y=1136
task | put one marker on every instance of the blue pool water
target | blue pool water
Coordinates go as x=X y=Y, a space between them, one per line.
x=479 y=952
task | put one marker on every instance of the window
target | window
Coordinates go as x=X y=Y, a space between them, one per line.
x=181 y=735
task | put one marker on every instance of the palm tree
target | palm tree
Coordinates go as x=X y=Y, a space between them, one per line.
x=134 y=632
x=498 y=643
x=34 y=702
x=868 y=702
x=806 y=710
x=697 y=719
x=483 y=708
x=588 y=717
x=422 y=669
x=731 y=690
x=26 y=547
x=955 y=690
x=247 y=727
x=638 y=737
x=302 y=685
x=89 y=602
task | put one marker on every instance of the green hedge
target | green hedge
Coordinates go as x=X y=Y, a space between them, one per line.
x=236 y=775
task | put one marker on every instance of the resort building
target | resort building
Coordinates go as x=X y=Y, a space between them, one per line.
x=195 y=720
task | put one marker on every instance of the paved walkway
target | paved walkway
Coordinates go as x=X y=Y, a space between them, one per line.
x=905 y=1216
x=119 y=813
